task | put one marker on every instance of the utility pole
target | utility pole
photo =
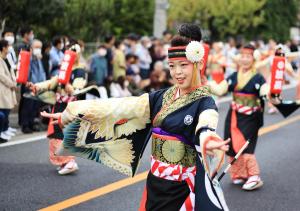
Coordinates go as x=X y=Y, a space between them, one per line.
x=160 y=17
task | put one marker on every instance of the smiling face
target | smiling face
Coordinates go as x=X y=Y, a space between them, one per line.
x=246 y=60
x=182 y=72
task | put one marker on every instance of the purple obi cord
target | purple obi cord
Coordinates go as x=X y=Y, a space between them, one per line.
x=160 y=131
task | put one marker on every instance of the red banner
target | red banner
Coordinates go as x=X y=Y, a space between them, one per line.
x=66 y=67
x=23 y=67
x=277 y=74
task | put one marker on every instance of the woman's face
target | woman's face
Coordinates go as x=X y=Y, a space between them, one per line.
x=247 y=60
x=181 y=72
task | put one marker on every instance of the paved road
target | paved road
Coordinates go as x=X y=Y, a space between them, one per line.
x=29 y=182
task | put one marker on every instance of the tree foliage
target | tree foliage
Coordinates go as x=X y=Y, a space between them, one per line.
x=92 y=19
x=87 y=20
x=37 y=13
x=264 y=18
x=279 y=16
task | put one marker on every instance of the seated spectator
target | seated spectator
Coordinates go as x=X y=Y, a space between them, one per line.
x=158 y=78
x=119 y=88
x=132 y=68
x=157 y=52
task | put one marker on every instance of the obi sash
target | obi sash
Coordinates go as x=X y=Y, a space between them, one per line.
x=245 y=103
x=172 y=148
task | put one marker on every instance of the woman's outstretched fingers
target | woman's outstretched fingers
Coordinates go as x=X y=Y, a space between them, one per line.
x=224 y=145
x=48 y=115
x=221 y=145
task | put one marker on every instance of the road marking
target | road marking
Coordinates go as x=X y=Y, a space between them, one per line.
x=278 y=125
x=97 y=192
x=139 y=177
x=22 y=141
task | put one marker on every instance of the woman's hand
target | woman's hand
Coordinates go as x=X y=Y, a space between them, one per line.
x=55 y=117
x=69 y=89
x=220 y=145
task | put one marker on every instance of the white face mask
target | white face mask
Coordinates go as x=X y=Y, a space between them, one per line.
x=10 y=39
x=31 y=37
x=148 y=45
x=37 y=51
x=102 y=52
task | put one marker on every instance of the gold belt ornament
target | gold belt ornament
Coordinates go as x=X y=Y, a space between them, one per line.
x=173 y=152
x=251 y=101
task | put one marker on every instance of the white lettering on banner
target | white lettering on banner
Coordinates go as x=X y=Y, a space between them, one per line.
x=280 y=65
x=67 y=57
x=64 y=65
x=279 y=74
x=278 y=85
x=62 y=75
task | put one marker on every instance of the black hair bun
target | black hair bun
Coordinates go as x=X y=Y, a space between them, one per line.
x=191 y=31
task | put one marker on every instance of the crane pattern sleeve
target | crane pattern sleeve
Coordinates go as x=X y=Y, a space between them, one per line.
x=109 y=131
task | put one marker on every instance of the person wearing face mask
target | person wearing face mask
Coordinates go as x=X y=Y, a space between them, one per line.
x=29 y=108
x=119 y=61
x=8 y=87
x=27 y=37
x=98 y=67
x=145 y=59
x=8 y=35
x=56 y=55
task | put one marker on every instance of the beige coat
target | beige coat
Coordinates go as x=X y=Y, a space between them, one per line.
x=7 y=81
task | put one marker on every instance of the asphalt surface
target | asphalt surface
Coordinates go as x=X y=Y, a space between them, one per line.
x=29 y=182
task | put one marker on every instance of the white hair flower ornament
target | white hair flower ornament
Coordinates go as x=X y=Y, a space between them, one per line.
x=194 y=51
x=75 y=48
